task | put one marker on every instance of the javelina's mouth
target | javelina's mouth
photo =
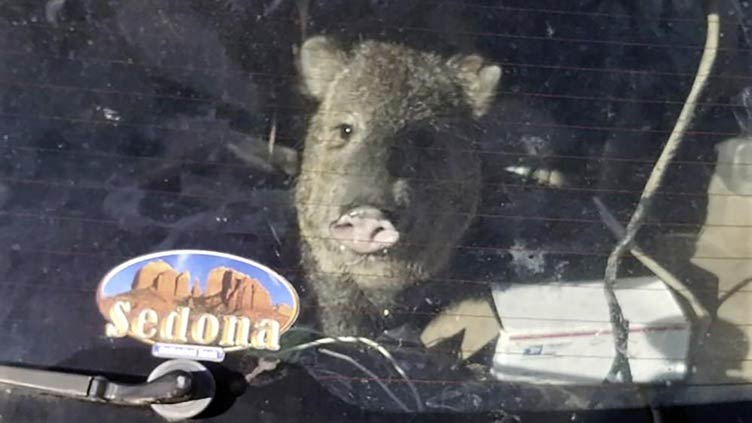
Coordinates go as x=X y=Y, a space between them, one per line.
x=364 y=230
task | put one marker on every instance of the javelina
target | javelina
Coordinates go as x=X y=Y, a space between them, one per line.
x=389 y=180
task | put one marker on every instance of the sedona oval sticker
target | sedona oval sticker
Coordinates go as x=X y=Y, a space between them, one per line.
x=181 y=298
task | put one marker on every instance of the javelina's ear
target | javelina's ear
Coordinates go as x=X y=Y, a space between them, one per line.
x=479 y=81
x=320 y=62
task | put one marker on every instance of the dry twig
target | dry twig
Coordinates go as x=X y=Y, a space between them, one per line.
x=620 y=325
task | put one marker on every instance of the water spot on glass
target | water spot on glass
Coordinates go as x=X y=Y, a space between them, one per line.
x=111 y=114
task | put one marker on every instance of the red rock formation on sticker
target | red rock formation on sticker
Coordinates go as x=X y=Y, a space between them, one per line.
x=147 y=276
x=216 y=282
x=284 y=310
x=183 y=285
x=161 y=277
x=238 y=291
x=196 y=290
x=160 y=287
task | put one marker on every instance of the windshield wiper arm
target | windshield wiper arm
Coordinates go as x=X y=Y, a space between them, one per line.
x=173 y=387
x=176 y=389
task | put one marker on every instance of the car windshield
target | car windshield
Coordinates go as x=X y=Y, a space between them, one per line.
x=419 y=206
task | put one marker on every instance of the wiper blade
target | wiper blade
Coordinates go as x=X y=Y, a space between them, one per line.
x=176 y=389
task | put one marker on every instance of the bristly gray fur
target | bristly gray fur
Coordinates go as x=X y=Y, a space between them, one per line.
x=386 y=92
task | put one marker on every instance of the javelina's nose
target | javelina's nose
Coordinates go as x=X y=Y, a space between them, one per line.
x=364 y=230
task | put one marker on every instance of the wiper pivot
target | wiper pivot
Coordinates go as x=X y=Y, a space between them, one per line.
x=174 y=387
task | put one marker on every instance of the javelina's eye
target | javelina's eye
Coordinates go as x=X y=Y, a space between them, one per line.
x=345 y=131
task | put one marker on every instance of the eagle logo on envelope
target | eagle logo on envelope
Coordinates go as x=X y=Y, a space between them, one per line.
x=203 y=299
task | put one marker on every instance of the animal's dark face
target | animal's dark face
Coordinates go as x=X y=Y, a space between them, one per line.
x=389 y=180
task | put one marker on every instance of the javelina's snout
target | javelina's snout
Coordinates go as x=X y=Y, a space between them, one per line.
x=364 y=230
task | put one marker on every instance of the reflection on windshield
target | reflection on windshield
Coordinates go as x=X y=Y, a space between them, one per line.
x=475 y=200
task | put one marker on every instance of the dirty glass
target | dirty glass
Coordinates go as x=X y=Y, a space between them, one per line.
x=483 y=205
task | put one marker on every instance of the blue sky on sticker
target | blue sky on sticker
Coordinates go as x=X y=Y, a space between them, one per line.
x=199 y=265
